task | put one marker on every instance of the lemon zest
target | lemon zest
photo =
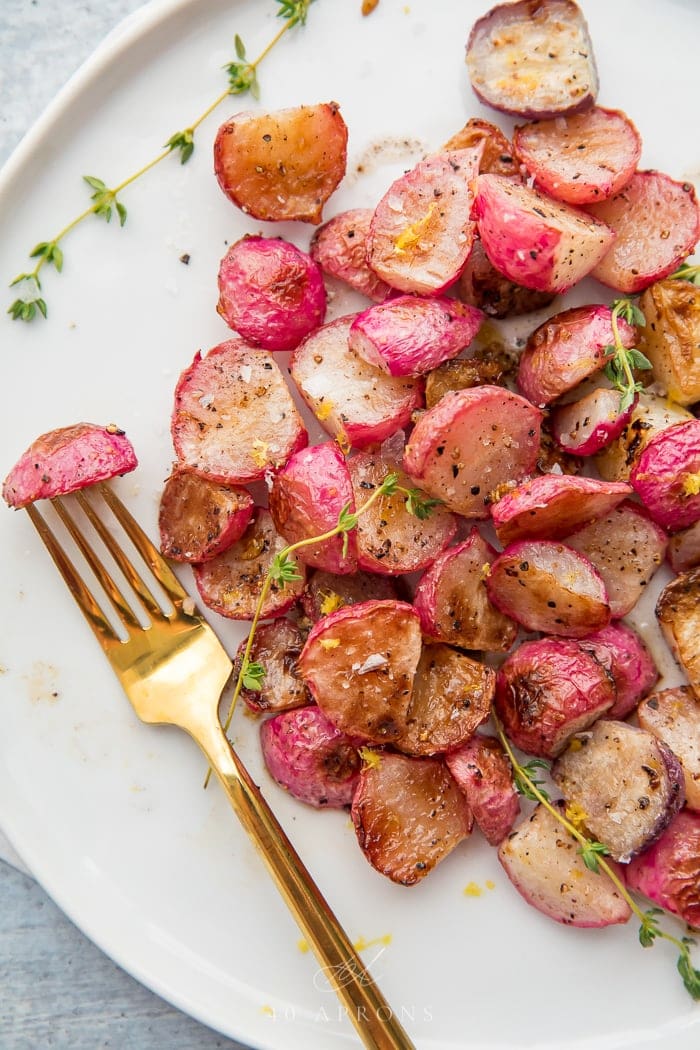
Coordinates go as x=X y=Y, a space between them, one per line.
x=361 y=944
x=258 y=453
x=331 y=601
x=576 y=815
x=472 y=889
x=370 y=758
x=410 y=237
x=691 y=485
x=330 y=643
x=324 y=410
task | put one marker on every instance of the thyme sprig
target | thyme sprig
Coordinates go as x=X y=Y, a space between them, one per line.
x=620 y=360
x=687 y=272
x=593 y=854
x=242 y=78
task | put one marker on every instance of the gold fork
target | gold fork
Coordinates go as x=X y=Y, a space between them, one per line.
x=173 y=671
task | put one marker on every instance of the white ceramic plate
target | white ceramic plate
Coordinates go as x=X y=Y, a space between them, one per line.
x=110 y=814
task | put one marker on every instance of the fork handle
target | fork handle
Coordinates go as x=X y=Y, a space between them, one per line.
x=376 y=1023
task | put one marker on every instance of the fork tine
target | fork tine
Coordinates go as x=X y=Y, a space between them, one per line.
x=102 y=628
x=103 y=577
x=130 y=573
x=148 y=551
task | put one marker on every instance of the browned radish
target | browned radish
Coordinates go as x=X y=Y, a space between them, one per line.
x=308 y=756
x=671 y=337
x=472 y=442
x=453 y=604
x=340 y=249
x=391 y=539
x=549 y=587
x=497 y=156
x=234 y=418
x=650 y=415
x=547 y=690
x=626 y=548
x=230 y=583
x=550 y=506
x=480 y=284
x=408 y=815
x=483 y=772
x=276 y=647
x=552 y=459
x=282 y=165
x=626 y=785
x=359 y=664
x=306 y=499
x=673 y=715
x=656 y=224
x=451 y=696
x=485 y=366
x=684 y=548
x=534 y=240
x=68 y=459
x=543 y=861
x=355 y=402
x=422 y=232
x=270 y=292
x=581 y=158
x=622 y=652
x=326 y=592
x=198 y=518
x=409 y=335
x=678 y=612
x=566 y=349
x=586 y=426
x=666 y=476
x=669 y=873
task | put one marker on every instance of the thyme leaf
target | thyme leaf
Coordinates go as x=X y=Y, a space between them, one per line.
x=294 y=12
x=590 y=853
x=252 y=676
x=420 y=505
x=105 y=199
x=526 y=779
x=283 y=569
x=687 y=272
x=621 y=360
x=182 y=141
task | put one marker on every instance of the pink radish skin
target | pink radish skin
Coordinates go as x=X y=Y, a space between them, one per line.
x=310 y=758
x=622 y=652
x=548 y=587
x=669 y=873
x=409 y=336
x=270 y=292
x=673 y=716
x=666 y=476
x=566 y=349
x=581 y=158
x=626 y=548
x=199 y=519
x=470 y=443
x=355 y=402
x=684 y=548
x=584 y=427
x=68 y=459
x=656 y=223
x=305 y=500
x=422 y=230
x=483 y=772
x=533 y=240
x=480 y=284
x=547 y=690
x=550 y=506
x=340 y=249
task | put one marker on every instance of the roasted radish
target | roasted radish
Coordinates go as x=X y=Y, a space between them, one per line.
x=234 y=418
x=408 y=815
x=669 y=873
x=678 y=613
x=308 y=756
x=673 y=715
x=547 y=690
x=626 y=785
x=282 y=165
x=453 y=603
x=534 y=240
x=484 y=366
x=340 y=249
x=650 y=415
x=497 y=156
x=199 y=519
x=306 y=500
x=355 y=402
x=549 y=587
x=480 y=284
x=276 y=648
x=422 y=232
x=666 y=476
x=231 y=582
x=623 y=654
x=483 y=772
x=408 y=335
x=543 y=861
x=270 y=292
x=472 y=442
x=66 y=460
x=533 y=58
x=326 y=592
x=550 y=506
x=684 y=548
x=656 y=223
x=627 y=548
x=584 y=427
x=671 y=337
x=581 y=158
